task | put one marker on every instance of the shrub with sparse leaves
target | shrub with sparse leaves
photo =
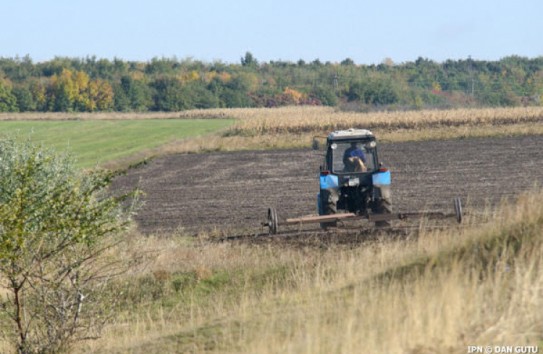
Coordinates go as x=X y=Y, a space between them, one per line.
x=57 y=225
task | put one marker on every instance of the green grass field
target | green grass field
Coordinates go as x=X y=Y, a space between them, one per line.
x=98 y=142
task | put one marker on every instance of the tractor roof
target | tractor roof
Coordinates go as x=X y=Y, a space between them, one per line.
x=350 y=134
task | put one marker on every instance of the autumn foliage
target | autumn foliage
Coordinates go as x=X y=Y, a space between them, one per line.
x=75 y=91
x=164 y=84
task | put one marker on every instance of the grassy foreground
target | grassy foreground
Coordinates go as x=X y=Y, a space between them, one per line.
x=438 y=292
x=98 y=142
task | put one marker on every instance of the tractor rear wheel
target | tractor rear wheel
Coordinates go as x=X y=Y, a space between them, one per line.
x=382 y=207
x=329 y=199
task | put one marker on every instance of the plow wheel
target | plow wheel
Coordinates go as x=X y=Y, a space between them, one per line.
x=273 y=221
x=458 y=209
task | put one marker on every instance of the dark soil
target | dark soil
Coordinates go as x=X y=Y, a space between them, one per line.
x=232 y=191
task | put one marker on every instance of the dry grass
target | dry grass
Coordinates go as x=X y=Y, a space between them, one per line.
x=459 y=296
x=438 y=293
x=303 y=140
x=325 y=119
x=303 y=118
x=294 y=127
x=55 y=116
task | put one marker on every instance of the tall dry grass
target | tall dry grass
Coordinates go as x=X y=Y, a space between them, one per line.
x=296 y=119
x=436 y=293
x=311 y=119
x=232 y=142
x=294 y=127
x=447 y=291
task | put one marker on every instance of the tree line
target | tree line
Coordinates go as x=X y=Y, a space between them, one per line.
x=170 y=84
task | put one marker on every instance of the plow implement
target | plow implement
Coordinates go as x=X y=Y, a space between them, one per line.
x=273 y=223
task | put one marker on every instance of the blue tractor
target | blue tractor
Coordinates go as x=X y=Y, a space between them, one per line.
x=354 y=185
x=352 y=179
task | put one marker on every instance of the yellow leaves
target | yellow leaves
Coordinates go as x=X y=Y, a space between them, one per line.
x=193 y=76
x=92 y=92
x=190 y=76
x=37 y=89
x=62 y=86
x=81 y=81
x=293 y=96
x=209 y=76
x=137 y=75
x=103 y=95
x=80 y=92
x=5 y=83
x=225 y=77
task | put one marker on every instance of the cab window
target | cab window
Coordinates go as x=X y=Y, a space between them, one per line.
x=350 y=157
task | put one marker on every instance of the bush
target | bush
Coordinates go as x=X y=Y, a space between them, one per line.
x=56 y=226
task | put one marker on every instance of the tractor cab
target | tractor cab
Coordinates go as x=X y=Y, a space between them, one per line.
x=351 y=155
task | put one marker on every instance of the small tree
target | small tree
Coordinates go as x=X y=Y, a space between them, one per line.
x=56 y=226
x=249 y=60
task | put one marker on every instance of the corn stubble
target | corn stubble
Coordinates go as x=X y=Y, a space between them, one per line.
x=295 y=126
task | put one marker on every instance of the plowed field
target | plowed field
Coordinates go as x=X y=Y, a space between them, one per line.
x=232 y=191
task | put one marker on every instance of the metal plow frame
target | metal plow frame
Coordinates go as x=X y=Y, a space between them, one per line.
x=273 y=223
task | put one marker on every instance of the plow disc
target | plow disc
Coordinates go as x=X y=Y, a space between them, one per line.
x=273 y=222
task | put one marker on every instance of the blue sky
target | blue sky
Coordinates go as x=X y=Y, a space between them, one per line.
x=221 y=30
